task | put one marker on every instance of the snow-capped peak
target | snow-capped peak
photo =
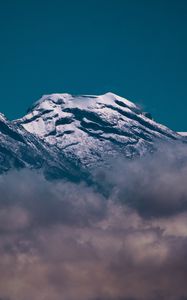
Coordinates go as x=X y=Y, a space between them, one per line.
x=48 y=101
x=44 y=113
x=64 y=133
x=89 y=126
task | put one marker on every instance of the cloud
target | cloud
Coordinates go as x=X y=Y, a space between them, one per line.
x=154 y=185
x=65 y=241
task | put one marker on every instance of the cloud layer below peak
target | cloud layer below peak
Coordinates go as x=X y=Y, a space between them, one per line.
x=65 y=241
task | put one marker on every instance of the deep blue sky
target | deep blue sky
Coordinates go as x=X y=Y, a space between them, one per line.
x=135 y=48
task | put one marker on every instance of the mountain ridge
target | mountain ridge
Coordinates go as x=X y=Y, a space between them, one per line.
x=67 y=135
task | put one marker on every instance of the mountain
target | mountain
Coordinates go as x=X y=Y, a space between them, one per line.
x=183 y=133
x=68 y=135
x=21 y=149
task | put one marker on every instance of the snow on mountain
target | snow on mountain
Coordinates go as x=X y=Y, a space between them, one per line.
x=67 y=135
x=183 y=133
x=18 y=148
x=89 y=128
x=21 y=149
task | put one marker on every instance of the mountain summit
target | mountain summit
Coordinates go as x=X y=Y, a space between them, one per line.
x=65 y=133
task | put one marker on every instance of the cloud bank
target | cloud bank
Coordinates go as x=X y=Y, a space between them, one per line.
x=65 y=241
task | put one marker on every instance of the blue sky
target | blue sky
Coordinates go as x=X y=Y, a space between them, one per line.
x=135 y=48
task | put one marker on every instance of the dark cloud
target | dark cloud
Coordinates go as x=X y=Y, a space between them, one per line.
x=155 y=185
x=65 y=241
